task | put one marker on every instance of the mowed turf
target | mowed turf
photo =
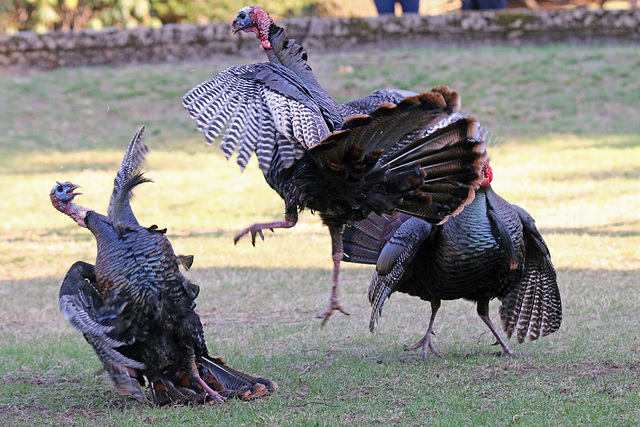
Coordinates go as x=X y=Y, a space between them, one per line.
x=564 y=125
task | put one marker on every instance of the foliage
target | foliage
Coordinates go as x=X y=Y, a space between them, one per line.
x=47 y=15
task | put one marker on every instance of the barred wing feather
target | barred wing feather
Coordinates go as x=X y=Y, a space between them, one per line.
x=257 y=101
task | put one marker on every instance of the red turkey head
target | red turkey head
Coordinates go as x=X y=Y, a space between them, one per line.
x=487 y=174
x=255 y=20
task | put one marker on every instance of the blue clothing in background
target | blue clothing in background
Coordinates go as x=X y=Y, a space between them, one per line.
x=483 y=4
x=387 y=6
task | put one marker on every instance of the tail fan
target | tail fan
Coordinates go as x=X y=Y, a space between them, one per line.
x=363 y=240
x=450 y=160
x=428 y=157
x=233 y=383
x=169 y=387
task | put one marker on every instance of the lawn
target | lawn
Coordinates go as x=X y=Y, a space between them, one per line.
x=564 y=126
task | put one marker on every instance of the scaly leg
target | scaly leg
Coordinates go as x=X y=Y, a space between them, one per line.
x=336 y=246
x=483 y=312
x=256 y=229
x=211 y=392
x=425 y=343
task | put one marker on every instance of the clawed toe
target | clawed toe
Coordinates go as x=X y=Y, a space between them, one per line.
x=333 y=306
x=425 y=344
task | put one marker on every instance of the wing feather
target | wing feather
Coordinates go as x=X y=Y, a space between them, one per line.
x=256 y=101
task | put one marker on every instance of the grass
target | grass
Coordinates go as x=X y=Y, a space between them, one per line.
x=565 y=134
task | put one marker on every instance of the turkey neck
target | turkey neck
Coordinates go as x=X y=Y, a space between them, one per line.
x=72 y=210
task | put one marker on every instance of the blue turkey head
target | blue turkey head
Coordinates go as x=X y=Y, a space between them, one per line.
x=63 y=191
x=243 y=20
x=253 y=19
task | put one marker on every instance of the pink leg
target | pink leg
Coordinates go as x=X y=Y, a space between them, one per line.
x=425 y=343
x=483 y=312
x=256 y=229
x=334 y=304
x=211 y=392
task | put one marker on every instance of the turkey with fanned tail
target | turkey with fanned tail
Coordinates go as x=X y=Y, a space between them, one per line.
x=491 y=250
x=416 y=154
x=136 y=308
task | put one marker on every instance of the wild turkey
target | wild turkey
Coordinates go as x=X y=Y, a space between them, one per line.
x=136 y=308
x=417 y=156
x=491 y=250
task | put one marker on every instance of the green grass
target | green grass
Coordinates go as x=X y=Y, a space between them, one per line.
x=566 y=147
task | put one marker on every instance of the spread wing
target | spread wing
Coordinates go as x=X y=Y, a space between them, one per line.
x=258 y=102
x=393 y=261
x=80 y=305
x=119 y=209
x=534 y=308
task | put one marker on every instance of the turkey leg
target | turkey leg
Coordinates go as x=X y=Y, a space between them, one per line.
x=483 y=312
x=425 y=343
x=336 y=255
x=256 y=229
x=211 y=392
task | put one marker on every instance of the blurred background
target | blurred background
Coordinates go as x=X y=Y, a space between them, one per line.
x=66 y=15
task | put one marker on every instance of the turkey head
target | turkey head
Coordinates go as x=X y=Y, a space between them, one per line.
x=253 y=19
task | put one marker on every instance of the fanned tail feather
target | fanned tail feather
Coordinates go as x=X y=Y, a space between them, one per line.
x=388 y=129
x=177 y=387
x=363 y=240
x=233 y=382
x=420 y=160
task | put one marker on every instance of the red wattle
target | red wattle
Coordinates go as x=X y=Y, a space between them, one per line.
x=487 y=173
x=264 y=21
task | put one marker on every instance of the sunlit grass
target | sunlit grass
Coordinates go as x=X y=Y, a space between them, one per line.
x=565 y=148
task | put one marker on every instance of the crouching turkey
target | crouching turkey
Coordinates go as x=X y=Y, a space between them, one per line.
x=136 y=308
x=492 y=249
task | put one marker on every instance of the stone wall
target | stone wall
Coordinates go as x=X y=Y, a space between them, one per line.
x=198 y=42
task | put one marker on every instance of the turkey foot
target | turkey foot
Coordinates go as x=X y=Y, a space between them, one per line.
x=334 y=304
x=256 y=230
x=425 y=343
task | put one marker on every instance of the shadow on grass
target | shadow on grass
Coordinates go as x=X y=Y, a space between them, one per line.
x=632 y=173
x=617 y=229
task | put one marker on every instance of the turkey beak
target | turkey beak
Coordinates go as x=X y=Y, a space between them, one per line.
x=70 y=191
x=235 y=27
